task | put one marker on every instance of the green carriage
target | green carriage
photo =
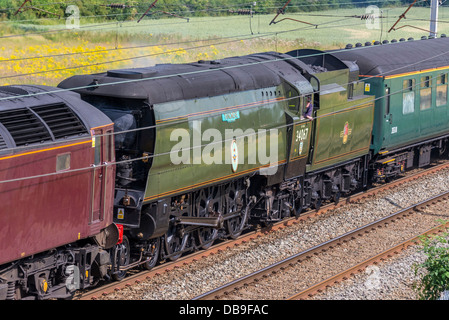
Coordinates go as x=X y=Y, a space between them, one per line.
x=409 y=82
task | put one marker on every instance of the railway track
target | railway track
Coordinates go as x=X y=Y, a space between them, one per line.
x=245 y=284
x=139 y=277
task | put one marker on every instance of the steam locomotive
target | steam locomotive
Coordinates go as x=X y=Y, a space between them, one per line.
x=202 y=151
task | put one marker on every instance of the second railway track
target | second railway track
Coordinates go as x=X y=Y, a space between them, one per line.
x=337 y=259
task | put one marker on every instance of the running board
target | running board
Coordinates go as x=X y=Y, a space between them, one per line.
x=209 y=222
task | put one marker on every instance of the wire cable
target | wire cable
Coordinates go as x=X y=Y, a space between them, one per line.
x=171 y=123
x=147 y=157
x=251 y=37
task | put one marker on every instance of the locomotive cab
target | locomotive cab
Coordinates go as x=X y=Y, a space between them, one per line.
x=343 y=117
x=134 y=146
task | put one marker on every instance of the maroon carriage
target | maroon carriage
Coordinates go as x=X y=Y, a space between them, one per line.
x=57 y=177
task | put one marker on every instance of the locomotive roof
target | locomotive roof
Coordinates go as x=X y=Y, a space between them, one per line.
x=170 y=82
x=400 y=57
x=44 y=117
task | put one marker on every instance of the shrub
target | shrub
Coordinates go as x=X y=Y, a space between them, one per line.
x=433 y=273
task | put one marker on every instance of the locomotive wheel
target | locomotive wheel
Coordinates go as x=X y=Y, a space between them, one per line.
x=336 y=197
x=298 y=203
x=207 y=203
x=316 y=203
x=175 y=241
x=121 y=254
x=155 y=248
x=235 y=203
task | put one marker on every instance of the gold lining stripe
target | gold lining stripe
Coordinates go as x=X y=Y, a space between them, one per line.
x=406 y=73
x=219 y=110
x=343 y=154
x=59 y=147
x=299 y=157
x=45 y=150
x=106 y=125
x=416 y=72
x=210 y=181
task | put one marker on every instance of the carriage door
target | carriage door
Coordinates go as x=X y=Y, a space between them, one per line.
x=98 y=176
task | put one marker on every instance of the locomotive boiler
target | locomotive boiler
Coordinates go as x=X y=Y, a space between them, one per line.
x=208 y=147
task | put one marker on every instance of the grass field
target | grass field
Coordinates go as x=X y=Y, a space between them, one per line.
x=334 y=28
x=54 y=52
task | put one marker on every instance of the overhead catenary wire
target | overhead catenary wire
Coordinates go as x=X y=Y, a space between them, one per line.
x=140 y=5
x=142 y=46
x=192 y=11
x=146 y=157
x=149 y=45
x=250 y=37
x=145 y=4
x=82 y=66
x=134 y=47
x=99 y=27
x=171 y=123
x=198 y=71
x=122 y=132
x=121 y=48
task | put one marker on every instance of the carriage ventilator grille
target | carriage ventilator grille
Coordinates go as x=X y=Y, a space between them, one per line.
x=41 y=123
x=61 y=120
x=2 y=143
x=24 y=126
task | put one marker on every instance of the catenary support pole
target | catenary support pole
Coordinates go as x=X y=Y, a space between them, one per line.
x=434 y=17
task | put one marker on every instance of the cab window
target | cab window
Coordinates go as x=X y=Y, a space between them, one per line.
x=293 y=99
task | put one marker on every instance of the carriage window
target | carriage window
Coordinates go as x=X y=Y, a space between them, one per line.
x=441 y=90
x=441 y=96
x=293 y=99
x=425 y=98
x=425 y=93
x=108 y=144
x=408 y=85
x=97 y=150
x=63 y=162
x=408 y=96
x=425 y=82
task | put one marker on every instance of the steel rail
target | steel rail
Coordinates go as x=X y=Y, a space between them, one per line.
x=351 y=235
x=344 y=275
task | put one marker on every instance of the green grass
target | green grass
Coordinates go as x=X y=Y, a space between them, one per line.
x=177 y=41
x=334 y=28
